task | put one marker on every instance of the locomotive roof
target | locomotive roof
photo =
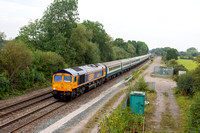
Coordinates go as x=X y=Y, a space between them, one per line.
x=75 y=71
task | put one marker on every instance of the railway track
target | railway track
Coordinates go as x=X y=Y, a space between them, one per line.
x=15 y=111
x=15 y=124
x=24 y=101
x=19 y=115
x=16 y=107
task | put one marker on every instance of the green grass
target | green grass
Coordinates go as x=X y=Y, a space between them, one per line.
x=149 y=111
x=189 y=64
x=184 y=103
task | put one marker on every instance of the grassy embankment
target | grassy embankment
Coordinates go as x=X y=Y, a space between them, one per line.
x=184 y=102
x=128 y=121
x=189 y=64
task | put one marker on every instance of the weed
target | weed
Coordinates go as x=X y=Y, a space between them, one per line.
x=121 y=120
x=166 y=94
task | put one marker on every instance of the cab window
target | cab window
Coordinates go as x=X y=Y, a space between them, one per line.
x=57 y=78
x=67 y=79
x=74 y=79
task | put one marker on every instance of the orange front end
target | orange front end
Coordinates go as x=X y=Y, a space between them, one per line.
x=62 y=85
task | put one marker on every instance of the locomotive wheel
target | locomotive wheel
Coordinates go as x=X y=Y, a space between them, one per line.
x=56 y=96
x=73 y=94
x=81 y=90
x=78 y=92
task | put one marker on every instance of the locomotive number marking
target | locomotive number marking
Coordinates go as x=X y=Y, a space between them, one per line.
x=98 y=75
x=91 y=77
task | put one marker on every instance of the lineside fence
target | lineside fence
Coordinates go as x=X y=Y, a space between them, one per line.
x=163 y=71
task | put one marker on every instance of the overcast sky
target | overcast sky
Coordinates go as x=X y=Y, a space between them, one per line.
x=159 y=23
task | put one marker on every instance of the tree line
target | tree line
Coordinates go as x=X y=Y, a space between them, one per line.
x=55 y=41
x=170 y=53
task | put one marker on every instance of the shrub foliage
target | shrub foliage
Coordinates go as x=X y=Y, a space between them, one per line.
x=194 y=115
x=186 y=84
x=121 y=121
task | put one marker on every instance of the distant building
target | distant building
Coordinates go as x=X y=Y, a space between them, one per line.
x=181 y=72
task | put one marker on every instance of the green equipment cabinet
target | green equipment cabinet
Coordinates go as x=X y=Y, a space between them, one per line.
x=137 y=102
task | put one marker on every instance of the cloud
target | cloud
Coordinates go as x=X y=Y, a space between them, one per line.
x=159 y=23
x=15 y=14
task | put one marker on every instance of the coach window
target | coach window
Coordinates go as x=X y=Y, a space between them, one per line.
x=67 y=79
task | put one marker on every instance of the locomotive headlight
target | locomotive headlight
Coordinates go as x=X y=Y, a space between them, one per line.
x=54 y=88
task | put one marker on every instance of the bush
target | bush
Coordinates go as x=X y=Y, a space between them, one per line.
x=15 y=57
x=196 y=76
x=136 y=73
x=121 y=121
x=24 y=79
x=194 y=115
x=141 y=85
x=186 y=84
x=4 y=86
x=173 y=63
x=48 y=63
x=179 y=68
x=27 y=79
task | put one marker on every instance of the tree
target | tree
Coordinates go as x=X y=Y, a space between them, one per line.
x=128 y=47
x=120 y=53
x=172 y=54
x=86 y=51
x=131 y=50
x=2 y=37
x=142 y=48
x=192 y=51
x=48 y=62
x=15 y=56
x=119 y=42
x=32 y=34
x=101 y=38
x=160 y=51
x=172 y=62
x=52 y=32
x=60 y=17
x=92 y=55
x=198 y=60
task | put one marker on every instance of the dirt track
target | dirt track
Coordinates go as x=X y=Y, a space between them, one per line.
x=165 y=103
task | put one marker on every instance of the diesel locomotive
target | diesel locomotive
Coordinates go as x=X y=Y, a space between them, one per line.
x=72 y=82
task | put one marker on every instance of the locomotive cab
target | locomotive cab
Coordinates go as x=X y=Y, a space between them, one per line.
x=72 y=82
x=63 y=84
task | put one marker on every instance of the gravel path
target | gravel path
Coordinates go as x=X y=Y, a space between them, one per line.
x=163 y=87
